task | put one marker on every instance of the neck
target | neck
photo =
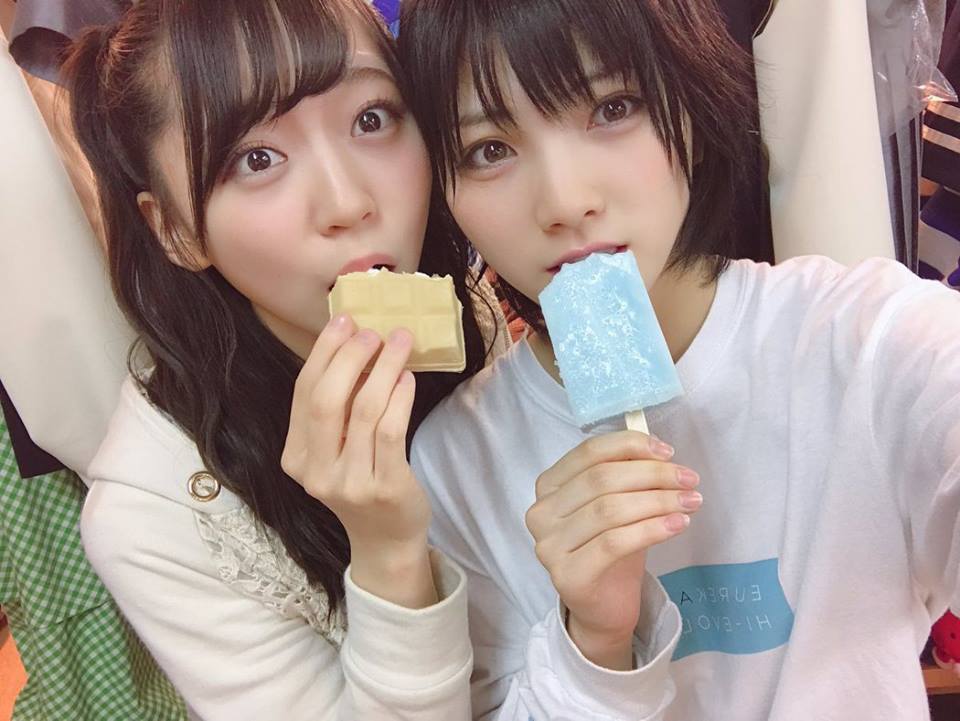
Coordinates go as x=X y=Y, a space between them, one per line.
x=681 y=302
x=299 y=340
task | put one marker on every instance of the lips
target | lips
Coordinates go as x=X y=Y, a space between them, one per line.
x=361 y=265
x=580 y=253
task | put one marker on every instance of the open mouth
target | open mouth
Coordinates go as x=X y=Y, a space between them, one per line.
x=366 y=264
x=579 y=255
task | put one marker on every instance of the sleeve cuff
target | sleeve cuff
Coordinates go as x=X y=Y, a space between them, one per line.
x=641 y=693
x=408 y=648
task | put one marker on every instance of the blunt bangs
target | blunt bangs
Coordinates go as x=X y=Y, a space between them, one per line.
x=697 y=84
x=545 y=45
x=246 y=62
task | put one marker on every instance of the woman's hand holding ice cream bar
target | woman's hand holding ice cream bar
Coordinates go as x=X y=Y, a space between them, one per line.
x=601 y=506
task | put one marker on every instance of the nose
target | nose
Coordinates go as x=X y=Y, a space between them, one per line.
x=341 y=198
x=567 y=194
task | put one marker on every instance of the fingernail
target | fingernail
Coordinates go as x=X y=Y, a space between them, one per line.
x=662 y=450
x=691 y=500
x=677 y=522
x=339 y=321
x=406 y=378
x=400 y=337
x=687 y=478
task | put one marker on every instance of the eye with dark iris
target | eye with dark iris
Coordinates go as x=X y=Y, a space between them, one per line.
x=370 y=122
x=258 y=160
x=615 y=110
x=494 y=152
x=487 y=155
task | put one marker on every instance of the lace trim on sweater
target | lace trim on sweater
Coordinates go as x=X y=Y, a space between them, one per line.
x=252 y=560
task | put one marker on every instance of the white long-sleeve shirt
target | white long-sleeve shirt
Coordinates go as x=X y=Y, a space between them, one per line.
x=232 y=620
x=822 y=411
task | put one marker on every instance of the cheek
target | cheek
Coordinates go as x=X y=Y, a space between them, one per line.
x=250 y=243
x=652 y=188
x=491 y=215
x=497 y=218
x=404 y=178
x=647 y=172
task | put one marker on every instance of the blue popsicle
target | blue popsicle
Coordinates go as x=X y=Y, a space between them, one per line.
x=611 y=352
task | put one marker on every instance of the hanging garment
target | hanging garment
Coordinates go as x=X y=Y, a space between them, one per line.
x=941 y=131
x=904 y=43
x=940 y=238
x=901 y=163
x=81 y=658
x=940 y=218
x=820 y=123
x=42 y=29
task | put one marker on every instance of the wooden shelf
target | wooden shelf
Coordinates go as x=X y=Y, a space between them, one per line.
x=940 y=681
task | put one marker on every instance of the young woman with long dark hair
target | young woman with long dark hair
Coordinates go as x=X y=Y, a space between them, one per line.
x=253 y=487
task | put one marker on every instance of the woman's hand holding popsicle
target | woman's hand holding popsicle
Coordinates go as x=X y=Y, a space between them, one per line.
x=346 y=445
x=598 y=510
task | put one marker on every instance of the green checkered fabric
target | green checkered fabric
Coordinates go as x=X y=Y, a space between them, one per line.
x=83 y=661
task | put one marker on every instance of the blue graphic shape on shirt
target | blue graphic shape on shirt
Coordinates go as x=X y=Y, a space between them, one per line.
x=737 y=608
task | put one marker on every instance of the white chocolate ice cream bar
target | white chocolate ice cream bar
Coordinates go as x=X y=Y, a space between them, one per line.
x=383 y=301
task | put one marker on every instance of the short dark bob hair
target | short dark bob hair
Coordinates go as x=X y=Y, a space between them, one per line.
x=697 y=84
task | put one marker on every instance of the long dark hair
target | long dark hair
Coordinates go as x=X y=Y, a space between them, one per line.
x=215 y=368
x=677 y=51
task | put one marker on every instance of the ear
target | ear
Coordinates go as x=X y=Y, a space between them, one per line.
x=187 y=256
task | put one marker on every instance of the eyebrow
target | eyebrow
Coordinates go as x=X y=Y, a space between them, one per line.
x=479 y=117
x=354 y=74
x=360 y=73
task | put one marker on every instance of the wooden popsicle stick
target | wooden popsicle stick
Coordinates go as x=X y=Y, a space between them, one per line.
x=637 y=421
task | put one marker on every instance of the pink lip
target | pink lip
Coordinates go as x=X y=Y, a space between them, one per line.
x=580 y=253
x=360 y=265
